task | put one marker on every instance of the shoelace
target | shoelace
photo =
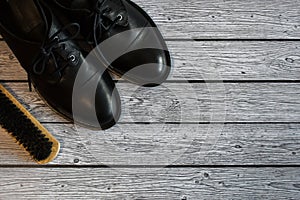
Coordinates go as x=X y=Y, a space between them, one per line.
x=49 y=46
x=47 y=52
x=98 y=25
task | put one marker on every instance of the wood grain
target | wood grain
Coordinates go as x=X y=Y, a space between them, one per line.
x=188 y=144
x=10 y=68
x=253 y=45
x=186 y=183
x=237 y=60
x=225 y=19
x=195 y=102
x=206 y=19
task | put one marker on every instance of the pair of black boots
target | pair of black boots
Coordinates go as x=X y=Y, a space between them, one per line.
x=67 y=48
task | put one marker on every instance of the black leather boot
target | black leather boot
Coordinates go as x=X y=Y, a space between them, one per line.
x=127 y=37
x=52 y=60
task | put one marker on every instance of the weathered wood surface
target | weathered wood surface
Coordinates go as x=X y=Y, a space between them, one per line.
x=195 y=102
x=236 y=144
x=253 y=45
x=225 y=19
x=182 y=183
x=231 y=60
x=236 y=19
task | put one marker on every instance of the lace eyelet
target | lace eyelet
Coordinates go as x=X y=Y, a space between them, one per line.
x=120 y=17
x=56 y=38
x=72 y=58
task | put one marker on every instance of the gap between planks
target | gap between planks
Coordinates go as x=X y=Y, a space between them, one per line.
x=229 y=102
x=231 y=144
x=238 y=19
x=209 y=61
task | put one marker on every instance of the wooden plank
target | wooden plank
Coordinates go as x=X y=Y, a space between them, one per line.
x=235 y=60
x=190 y=183
x=188 y=144
x=10 y=68
x=229 y=60
x=208 y=19
x=195 y=102
x=225 y=19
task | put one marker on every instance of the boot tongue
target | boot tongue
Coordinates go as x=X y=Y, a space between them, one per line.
x=114 y=9
x=80 y=4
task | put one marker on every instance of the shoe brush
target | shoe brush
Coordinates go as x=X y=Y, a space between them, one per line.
x=26 y=130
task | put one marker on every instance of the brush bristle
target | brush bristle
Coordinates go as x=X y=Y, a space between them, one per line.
x=23 y=129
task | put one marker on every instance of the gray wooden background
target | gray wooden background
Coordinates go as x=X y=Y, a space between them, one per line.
x=253 y=46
